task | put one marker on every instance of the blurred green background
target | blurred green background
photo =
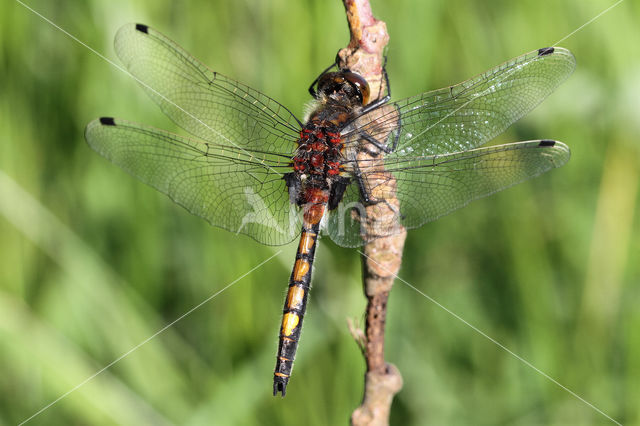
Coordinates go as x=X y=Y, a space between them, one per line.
x=92 y=262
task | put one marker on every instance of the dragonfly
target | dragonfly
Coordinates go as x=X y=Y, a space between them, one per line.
x=252 y=167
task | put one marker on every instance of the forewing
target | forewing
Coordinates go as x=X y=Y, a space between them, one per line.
x=469 y=114
x=229 y=187
x=205 y=103
x=422 y=189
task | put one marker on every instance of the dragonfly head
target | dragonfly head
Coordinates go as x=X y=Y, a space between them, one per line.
x=344 y=87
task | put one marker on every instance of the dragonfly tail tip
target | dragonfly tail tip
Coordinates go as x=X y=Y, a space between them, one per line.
x=279 y=386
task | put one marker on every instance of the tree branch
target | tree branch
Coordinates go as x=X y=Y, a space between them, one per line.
x=382 y=256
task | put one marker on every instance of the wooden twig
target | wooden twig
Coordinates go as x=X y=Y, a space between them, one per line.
x=382 y=256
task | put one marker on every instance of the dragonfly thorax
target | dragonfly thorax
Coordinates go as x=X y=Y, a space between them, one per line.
x=318 y=161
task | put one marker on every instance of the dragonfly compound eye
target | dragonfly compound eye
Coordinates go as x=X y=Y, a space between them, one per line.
x=346 y=83
x=360 y=84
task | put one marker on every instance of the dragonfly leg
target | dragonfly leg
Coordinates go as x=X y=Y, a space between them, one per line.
x=337 y=191
x=376 y=104
x=396 y=131
x=365 y=194
x=385 y=98
x=312 y=89
x=386 y=76
x=382 y=147
x=366 y=197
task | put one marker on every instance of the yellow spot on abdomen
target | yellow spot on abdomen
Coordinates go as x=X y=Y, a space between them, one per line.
x=307 y=239
x=289 y=322
x=300 y=269
x=295 y=297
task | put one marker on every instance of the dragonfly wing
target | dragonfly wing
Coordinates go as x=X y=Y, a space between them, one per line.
x=205 y=103
x=469 y=114
x=422 y=189
x=430 y=187
x=233 y=189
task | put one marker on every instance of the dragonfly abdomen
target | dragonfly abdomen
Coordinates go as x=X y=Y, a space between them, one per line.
x=295 y=303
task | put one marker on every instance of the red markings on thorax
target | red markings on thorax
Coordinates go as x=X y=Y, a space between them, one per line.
x=319 y=150
x=317 y=160
x=333 y=168
x=334 y=138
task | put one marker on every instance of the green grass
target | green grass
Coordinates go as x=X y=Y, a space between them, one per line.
x=92 y=262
